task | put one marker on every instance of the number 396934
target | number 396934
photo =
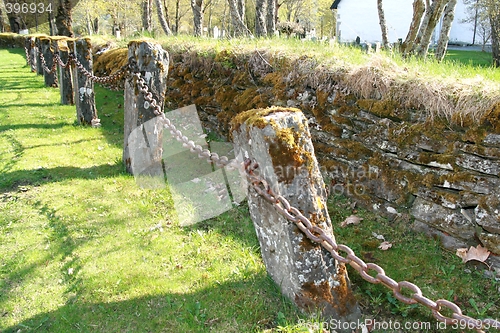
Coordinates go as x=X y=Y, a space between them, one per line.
x=28 y=7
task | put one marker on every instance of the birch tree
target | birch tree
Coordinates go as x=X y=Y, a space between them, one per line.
x=444 y=37
x=271 y=16
x=261 y=18
x=147 y=15
x=383 y=25
x=493 y=8
x=162 y=19
x=196 y=6
x=432 y=17
x=237 y=12
x=418 y=13
x=477 y=16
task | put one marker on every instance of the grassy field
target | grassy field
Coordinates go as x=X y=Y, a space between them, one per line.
x=84 y=249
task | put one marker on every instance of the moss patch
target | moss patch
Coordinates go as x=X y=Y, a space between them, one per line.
x=492 y=119
x=111 y=61
x=255 y=117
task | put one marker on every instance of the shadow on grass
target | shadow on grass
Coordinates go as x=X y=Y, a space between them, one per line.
x=4 y=128
x=199 y=311
x=12 y=181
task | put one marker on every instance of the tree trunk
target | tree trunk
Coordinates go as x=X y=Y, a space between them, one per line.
x=272 y=17
x=177 y=16
x=237 y=17
x=161 y=18
x=423 y=25
x=196 y=5
x=147 y=11
x=2 y=25
x=15 y=22
x=52 y=22
x=383 y=25
x=63 y=19
x=493 y=10
x=435 y=13
x=495 y=39
x=418 y=12
x=449 y=15
x=260 y=18
x=96 y=25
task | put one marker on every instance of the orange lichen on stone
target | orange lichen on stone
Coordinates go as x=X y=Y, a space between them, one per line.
x=340 y=298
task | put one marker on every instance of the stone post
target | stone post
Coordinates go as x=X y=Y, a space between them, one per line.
x=48 y=54
x=38 y=50
x=83 y=86
x=32 y=54
x=65 y=77
x=278 y=139
x=152 y=62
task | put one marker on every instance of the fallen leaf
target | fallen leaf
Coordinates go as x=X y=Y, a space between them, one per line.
x=462 y=253
x=353 y=219
x=478 y=253
x=385 y=246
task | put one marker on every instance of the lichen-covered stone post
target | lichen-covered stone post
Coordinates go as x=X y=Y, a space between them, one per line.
x=38 y=50
x=83 y=86
x=48 y=54
x=152 y=62
x=65 y=77
x=278 y=139
x=29 y=43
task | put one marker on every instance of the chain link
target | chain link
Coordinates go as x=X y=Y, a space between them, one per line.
x=292 y=214
x=110 y=80
x=315 y=233
x=150 y=102
x=28 y=58
x=44 y=65
x=318 y=235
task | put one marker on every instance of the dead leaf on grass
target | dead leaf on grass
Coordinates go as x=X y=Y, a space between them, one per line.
x=353 y=219
x=385 y=246
x=478 y=253
x=377 y=236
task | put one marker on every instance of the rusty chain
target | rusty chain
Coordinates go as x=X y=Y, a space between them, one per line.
x=292 y=214
x=317 y=234
x=110 y=81
x=44 y=65
x=150 y=102
x=28 y=58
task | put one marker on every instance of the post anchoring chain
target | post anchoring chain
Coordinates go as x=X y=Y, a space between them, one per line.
x=292 y=214
x=315 y=233
x=110 y=81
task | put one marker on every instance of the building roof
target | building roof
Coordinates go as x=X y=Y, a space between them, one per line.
x=335 y=4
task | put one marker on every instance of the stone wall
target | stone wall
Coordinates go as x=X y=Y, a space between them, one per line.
x=389 y=154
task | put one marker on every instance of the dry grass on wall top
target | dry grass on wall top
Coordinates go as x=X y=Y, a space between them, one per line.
x=110 y=61
x=461 y=102
x=464 y=102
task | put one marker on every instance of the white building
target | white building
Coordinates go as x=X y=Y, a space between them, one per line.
x=360 y=18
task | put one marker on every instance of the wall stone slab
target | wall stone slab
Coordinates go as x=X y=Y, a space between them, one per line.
x=389 y=157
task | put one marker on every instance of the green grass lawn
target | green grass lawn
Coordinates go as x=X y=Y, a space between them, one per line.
x=84 y=249
x=471 y=58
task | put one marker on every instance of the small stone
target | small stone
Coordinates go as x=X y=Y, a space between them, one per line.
x=492 y=139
